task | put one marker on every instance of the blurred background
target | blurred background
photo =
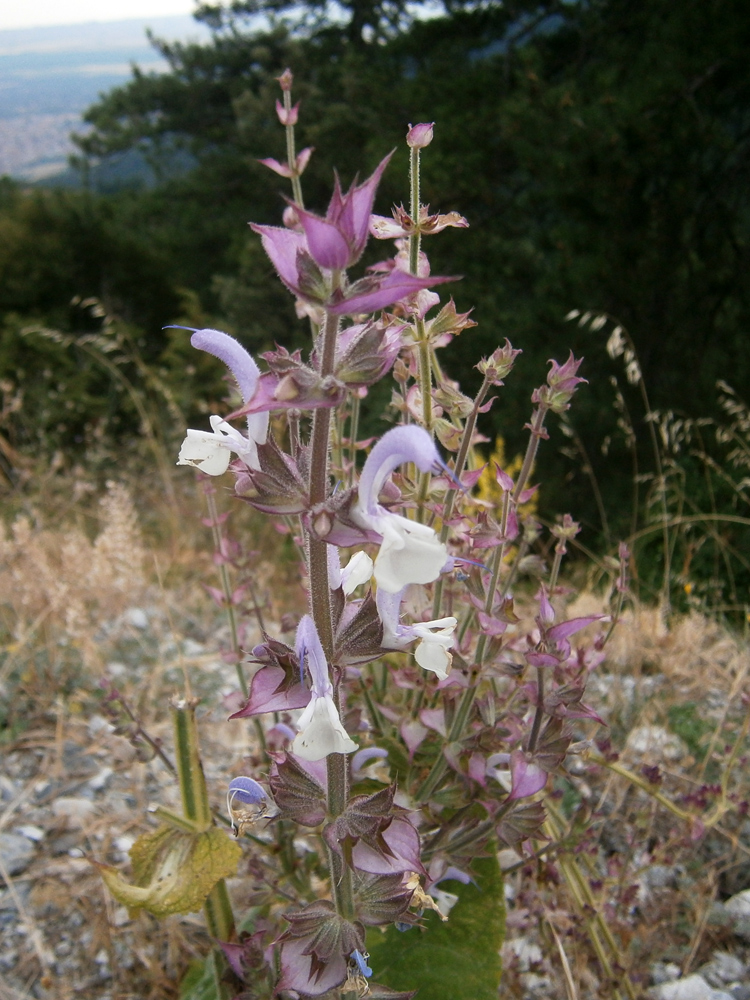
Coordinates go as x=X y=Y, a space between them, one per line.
x=600 y=151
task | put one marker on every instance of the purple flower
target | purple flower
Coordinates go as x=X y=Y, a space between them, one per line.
x=410 y=552
x=270 y=692
x=320 y=728
x=337 y=241
x=527 y=777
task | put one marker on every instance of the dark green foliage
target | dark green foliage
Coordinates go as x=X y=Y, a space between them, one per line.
x=600 y=152
x=457 y=959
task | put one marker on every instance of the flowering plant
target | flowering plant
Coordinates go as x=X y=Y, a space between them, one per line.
x=411 y=725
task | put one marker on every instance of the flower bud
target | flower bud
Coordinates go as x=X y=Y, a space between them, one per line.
x=419 y=136
x=499 y=364
x=285 y=80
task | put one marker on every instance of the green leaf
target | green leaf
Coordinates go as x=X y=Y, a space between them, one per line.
x=453 y=960
x=200 y=982
x=174 y=871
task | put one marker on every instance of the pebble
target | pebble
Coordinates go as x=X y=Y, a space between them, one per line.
x=35 y=833
x=692 y=987
x=664 y=972
x=655 y=743
x=739 y=904
x=722 y=969
x=525 y=952
x=16 y=852
x=136 y=617
x=75 y=809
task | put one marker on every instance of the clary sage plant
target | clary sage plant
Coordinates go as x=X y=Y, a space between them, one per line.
x=409 y=728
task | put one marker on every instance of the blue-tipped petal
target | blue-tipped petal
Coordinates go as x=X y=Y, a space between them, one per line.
x=247 y=790
x=359 y=958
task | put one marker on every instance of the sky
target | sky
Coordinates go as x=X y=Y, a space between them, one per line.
x=35 y=13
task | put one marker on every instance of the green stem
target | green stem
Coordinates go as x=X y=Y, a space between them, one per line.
x=414 y=239
x=226 y=588
x=218 y=912
x=353 y=432
x=425 y=374
x=189 y=768
x=195 y=805
x=537 y=426
x=291 y=154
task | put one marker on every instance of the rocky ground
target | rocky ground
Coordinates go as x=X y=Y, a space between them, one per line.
x=71 y=789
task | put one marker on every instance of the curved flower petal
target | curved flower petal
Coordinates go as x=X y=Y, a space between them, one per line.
x=396 y=446
x=327 y=244
x=321 y=731
x=307 y=644
x=356 y=572
x=403 y=843
x=282 y=246
x=433 y=651
x=527 y=777
x=204 y=451
x=410 y=553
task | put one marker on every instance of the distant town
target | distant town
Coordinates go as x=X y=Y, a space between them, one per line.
x=50 y=75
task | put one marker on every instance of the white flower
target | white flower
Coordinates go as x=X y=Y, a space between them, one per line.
x=410 y=552
x=435 y=637
x=211 y=451
x=357 y=571
x=433 y=652
x=321 y=731
x=320 y=728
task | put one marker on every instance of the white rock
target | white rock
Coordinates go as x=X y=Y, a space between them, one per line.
x=655 y=742
x=100 y=780
x=98 y=724
x=664 y=972
x=16 y=852
x=192 y=648
x=525 y=952
x=739 y=904
x=74 y=808
x=136 y=617
x=722 y=969
x=35 y=833
x=692 y=987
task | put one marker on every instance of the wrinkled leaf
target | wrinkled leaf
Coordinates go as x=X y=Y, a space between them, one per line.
x=457 y=959
x=174 y=871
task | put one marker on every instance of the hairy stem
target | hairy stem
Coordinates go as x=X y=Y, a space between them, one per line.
x=458 y=467
x=320 y=599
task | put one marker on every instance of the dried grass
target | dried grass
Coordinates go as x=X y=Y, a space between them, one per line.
x=66 y=608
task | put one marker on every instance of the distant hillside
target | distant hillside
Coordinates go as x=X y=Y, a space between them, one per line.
x=48 y=76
